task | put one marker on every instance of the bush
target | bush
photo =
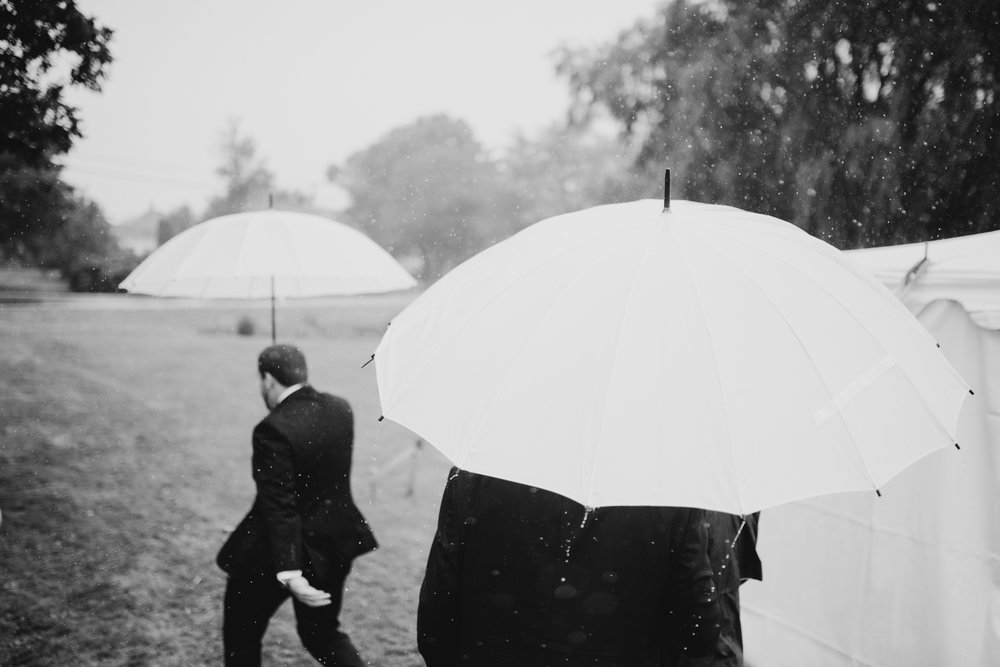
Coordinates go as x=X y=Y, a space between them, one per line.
x=246 y=327
x=99 y=274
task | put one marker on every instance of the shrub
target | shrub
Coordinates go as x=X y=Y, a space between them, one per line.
x=245 y=326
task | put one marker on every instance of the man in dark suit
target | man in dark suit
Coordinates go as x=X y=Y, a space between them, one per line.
x=303 y=530
x=522 y=577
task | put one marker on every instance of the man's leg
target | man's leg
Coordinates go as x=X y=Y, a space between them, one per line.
x=319 y=627
x=249 y=604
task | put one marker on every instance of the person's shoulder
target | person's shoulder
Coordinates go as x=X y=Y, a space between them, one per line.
x=333 y=400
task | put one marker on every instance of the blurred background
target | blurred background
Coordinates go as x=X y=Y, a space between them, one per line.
x=440 y=128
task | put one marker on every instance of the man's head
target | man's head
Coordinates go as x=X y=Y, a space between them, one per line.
x=280 y=366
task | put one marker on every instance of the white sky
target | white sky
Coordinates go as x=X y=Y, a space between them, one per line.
x=312 y=81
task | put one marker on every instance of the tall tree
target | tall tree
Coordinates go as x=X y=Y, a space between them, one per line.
x=428 y=189
x=173 y=223
x=86 y=252
x=864 y=123
x=248 y=181
x=903 y=100
x=45 y=48
x=570 y=167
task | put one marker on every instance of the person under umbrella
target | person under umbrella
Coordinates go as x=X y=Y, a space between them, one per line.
x=644 y=355
x=520 y=576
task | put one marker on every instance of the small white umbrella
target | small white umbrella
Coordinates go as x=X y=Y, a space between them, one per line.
x=697 y=356
x=268 y=254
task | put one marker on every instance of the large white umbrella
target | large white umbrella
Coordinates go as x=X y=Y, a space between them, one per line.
x=268 y=254
x=697 y=356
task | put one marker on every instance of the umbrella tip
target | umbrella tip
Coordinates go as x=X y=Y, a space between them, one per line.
x=270 y=200
x=957 y=447
x=368 y=362
x=666 y=190
x=878 y=493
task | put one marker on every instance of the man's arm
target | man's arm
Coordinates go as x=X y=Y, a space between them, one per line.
x=693 y=610
x=438 y=611
x=274 y=475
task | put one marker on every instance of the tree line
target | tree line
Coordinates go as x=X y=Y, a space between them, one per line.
x=46 y=48
x=863 y=123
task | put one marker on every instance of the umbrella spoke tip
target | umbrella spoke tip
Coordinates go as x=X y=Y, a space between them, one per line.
x=878 y=493
x=958 y=447
x=381 y=417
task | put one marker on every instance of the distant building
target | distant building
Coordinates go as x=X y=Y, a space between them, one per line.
x=140 y=233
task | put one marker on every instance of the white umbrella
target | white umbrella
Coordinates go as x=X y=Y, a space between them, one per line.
x=698 y=356
x=268 y=254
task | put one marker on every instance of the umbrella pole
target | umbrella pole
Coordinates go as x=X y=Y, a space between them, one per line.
x=666 y=191
x=273 y=331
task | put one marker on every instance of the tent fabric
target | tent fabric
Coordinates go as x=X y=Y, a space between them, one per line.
x=913 y=577
x=964 y=269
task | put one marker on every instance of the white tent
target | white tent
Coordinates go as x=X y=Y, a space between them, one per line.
x=964 y=269
x=913 y=577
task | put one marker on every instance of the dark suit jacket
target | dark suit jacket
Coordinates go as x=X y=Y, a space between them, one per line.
x=517 y=577
x=303 y=517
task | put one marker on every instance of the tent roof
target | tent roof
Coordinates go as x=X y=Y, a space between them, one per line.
x=965 y=269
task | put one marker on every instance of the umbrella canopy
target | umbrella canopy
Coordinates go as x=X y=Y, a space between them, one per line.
x=268 y=253
x=699 y=356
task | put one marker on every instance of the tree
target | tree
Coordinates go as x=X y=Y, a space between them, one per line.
x=429 y=189
x=691 y=88
x=249 y=182
x=571 y=167
x=173 y=223
x=864 y=123
x=45 y=47
x=33 y=202
x=86 y=252
x=907 y=99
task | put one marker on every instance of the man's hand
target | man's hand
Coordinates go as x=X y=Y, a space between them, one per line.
x=306 y=594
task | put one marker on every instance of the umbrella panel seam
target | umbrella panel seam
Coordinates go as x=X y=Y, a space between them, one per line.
x=718 y=373
x=582 y=274
x=784 y=318
x=628 y=302
x=445 y=344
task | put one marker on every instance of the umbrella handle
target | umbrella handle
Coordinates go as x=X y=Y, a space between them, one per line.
x=743 y=523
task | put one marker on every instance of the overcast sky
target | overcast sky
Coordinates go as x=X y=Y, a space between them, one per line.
x=312 y=81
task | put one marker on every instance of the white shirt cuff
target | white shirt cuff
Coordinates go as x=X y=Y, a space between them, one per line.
x=285 y=575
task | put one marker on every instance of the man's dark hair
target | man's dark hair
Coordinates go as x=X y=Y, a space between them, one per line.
x=285 y=363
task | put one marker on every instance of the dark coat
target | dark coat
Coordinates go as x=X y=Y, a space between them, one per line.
x=517 y=577
x=303 y=517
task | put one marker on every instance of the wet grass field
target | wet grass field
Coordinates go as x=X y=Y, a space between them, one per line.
x=125 y=458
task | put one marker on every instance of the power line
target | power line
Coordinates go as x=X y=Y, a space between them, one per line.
x=130 y=161
x=150 y=179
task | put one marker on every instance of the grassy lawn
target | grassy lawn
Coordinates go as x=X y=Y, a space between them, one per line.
x=125 y=458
